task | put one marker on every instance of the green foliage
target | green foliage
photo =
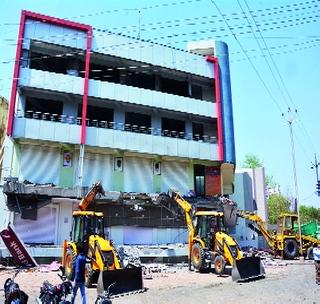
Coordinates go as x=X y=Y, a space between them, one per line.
x=308 y=214
x=270 y=182
x=251 y=161
x=277 y=204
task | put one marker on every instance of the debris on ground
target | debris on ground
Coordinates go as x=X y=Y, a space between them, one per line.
x=54 y=266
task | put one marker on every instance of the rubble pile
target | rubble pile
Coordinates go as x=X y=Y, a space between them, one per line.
x=154 y=270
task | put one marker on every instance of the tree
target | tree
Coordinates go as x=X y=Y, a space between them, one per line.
x=270 y=182
x=252 y=161
x=277 y=204
x=308 y=214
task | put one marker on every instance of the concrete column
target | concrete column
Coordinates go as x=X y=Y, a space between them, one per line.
x=189 y=131
x=70 y=107
x=156 y=121
x=119 y=117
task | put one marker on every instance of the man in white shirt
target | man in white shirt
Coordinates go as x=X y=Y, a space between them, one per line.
x=316 y=256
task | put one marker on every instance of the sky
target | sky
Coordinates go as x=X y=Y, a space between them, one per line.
x=274 y=65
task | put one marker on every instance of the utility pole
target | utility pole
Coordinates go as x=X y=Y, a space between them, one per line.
x=315 y=165
x=290 y=119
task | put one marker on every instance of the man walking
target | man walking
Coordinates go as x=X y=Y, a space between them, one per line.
x=79 y=272
x=316 y=257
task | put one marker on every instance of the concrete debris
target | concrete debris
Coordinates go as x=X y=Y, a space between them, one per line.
x=129 y=255
x=154 y=270
x=54 y=266
x=273 y=263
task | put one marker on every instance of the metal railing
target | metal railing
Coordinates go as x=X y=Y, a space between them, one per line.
x=68 y=119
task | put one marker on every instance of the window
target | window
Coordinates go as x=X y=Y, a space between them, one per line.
x=137 y=122
x=97 y=113
x=43 y=105
x=172 y=125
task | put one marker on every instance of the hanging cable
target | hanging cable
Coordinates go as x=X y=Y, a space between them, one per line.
x=252 y=65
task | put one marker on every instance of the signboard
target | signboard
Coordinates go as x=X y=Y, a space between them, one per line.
x=17 y=248
x=213 y=181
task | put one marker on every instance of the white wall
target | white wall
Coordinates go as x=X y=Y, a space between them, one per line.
x=175 y=175
x=131 y=235
x=138 y=174
x=97 y=167
x=40 y=164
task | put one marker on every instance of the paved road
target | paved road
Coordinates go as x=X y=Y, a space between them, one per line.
x=290 y=284
x=294 y=284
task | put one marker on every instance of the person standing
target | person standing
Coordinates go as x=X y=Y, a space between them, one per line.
x=79 y=275
x=316 y=257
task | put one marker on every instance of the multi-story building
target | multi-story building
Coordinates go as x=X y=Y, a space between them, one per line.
x=89 y=105
x=3 y=126
x=249 y=193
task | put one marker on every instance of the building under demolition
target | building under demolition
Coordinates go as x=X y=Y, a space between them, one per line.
x=90 y=105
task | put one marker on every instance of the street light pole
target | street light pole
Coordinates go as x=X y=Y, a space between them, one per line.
x=315 y=165
x=290 y=121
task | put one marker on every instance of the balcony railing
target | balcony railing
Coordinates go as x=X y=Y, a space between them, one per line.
x=67 y=119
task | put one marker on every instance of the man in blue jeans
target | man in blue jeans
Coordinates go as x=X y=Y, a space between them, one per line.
x=79 y=272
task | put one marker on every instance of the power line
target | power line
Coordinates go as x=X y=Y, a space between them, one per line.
x=278 y=73
x=253 y=66
x=199 y=20
x=262 y=52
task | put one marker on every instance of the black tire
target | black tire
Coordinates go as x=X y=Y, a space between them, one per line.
x=290 y=249
x=310 y=253
x=90 y=275
x=70 y=262
x=197 y=257
x=219 y=264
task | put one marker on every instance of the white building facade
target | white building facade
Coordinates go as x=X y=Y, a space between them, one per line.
x=89 y=105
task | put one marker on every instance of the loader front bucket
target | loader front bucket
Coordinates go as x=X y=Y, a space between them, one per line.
x=248 y=268
x=121 y=280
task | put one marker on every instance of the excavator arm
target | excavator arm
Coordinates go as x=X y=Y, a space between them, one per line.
x=90 y=196
x=261 y=226
x=187 y=208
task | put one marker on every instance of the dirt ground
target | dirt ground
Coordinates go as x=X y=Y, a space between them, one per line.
x=294 y=283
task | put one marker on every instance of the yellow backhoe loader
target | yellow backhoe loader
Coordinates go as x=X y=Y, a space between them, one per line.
x=209 y=243
x=88 y=231
x=285 y=241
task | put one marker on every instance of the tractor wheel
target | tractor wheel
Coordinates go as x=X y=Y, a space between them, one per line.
x=310 y=253
x=70 y=262
x=219 y=264
x=290 y=249
x=90 y=275
x=197 y=257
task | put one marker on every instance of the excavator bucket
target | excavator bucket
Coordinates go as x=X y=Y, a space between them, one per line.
x=248 y=268
x=121 y=280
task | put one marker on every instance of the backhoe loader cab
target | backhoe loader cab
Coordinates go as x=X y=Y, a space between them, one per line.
x=210 y=244
x=88 y=231
x=86 y=224
x=286 y=223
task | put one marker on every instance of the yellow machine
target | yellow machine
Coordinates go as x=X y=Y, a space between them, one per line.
x=209 y=243
x=88 y=231
x=285 y=241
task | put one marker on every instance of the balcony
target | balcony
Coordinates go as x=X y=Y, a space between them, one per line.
x=66 y=129
x=112 y=91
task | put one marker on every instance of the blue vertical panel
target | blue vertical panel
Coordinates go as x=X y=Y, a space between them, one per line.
x=222 y=53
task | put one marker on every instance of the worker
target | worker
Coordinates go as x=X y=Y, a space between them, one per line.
x=316 y=257
x=79 y=275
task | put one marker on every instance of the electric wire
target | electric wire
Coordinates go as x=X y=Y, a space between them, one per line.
x=250 y=61
x=262 y=52
x=279 y=74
